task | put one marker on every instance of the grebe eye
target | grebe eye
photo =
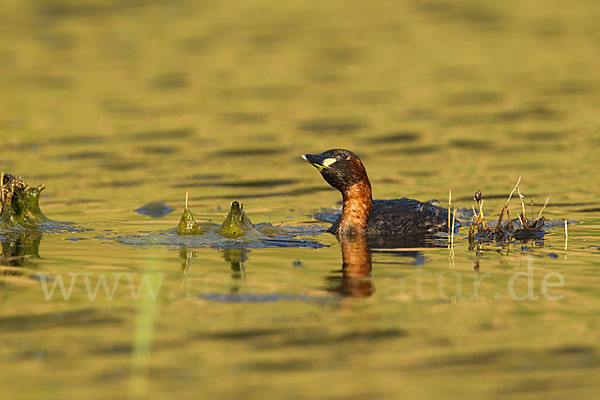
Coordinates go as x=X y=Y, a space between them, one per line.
x=328 y=161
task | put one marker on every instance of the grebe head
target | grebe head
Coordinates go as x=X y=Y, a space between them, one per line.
x=342 y=169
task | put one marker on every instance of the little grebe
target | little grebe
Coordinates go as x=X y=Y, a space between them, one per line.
x=343 y=170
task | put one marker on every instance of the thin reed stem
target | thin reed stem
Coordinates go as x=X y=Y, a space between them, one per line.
x=453 y=222
x=543 y=208
x=449 y=207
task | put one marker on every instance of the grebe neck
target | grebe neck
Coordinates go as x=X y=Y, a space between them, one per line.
x=356 y=209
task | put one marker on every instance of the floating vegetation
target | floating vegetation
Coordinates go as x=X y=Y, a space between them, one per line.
x=20 y=203
x=237 y=223
x=506 y=229
x=187 y=223
x=237 y=231
x=21 y=211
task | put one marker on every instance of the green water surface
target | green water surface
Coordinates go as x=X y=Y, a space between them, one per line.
x=113 y=104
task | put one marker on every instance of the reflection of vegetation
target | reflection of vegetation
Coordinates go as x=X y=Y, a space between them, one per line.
x=478 y=257
x=236 y=258
x=19 y=247
x=187 y=254
x=20 y=203
x=518 y=248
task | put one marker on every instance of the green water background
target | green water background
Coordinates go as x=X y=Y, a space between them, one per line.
x=113 y=104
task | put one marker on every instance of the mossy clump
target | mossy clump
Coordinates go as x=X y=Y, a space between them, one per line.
x=20 y=203
x=187 y=224
x=237 y=223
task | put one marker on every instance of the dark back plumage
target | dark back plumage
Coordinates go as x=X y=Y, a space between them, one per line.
x=403 y=216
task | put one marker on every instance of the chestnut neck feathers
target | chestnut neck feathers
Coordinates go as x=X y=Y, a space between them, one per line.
x=356 y=209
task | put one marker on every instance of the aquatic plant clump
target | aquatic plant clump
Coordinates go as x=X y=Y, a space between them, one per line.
x=237 y=223
x=236 y=231
x=187 y=224
x=20 y=203
x=506 y=229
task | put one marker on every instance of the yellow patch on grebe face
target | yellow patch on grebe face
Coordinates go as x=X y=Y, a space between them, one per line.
x=328 y=161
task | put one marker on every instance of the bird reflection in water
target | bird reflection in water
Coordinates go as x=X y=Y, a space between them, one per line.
x=356 y=255
x=356 y=268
